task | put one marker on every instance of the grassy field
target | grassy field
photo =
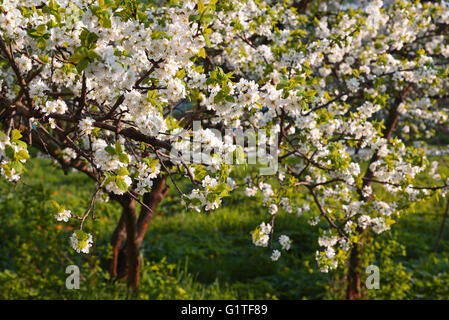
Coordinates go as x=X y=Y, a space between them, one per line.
x=189 y=255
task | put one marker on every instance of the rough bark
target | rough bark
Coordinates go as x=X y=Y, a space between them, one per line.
x=151 y=200
x=126 y=260
x=353 y=291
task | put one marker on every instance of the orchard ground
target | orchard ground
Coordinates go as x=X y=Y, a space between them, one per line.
x=190 y=255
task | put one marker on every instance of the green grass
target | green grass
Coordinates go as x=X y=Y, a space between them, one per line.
x=190 y=255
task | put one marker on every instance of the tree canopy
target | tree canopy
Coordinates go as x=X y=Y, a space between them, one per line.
x=338 y=99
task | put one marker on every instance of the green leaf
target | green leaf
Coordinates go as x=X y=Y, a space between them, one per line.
x=92 y=55
x=221 y=95
x=230 y=99
x=212 y=197
x=42 y=43
x=121 y=183
x=206 y=38
x=41 y=29
x=82 y=237
x=21 y=143
x=118 y=148
x=123 y=158
x=109 y=180
x=194 y=17
x=17 y=166
x=80 y=66
x=200 y=6
x=123 y=171
x=181 y=74
x=15 y=135
x=105 y=22
x=9 y=151
x=55 y=205
x=76 y=56
x=22 y=155
x=202 y=53
x=110 y=150
x=7 y=170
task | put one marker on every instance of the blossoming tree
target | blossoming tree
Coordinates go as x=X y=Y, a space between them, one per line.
x=343 y=91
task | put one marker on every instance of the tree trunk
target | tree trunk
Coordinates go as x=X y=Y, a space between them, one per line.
x=132 y=249
x=355 y=268
x=354 y=273
x=151 y=200
x=125 y=260
x=117 y=238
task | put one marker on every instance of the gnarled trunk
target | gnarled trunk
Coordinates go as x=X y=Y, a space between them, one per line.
x=125 y=260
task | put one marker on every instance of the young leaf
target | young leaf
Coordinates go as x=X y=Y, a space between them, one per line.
x=121 y=183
